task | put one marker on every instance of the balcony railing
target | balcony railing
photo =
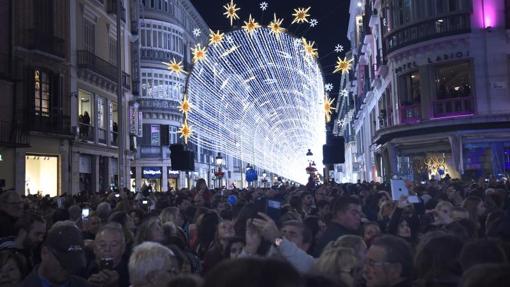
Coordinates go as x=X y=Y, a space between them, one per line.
x=410 y=114
x=89 y=60
x=13 y=135
x=115 y=138
x=87 y=132
x=157 y=55
x=150 y=151
x=453 y=107
x=426 y=30
x=101 y=135
x=54 y=122
x=34 y=39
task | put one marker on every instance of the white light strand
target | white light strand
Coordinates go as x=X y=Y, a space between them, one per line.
x=261 y=102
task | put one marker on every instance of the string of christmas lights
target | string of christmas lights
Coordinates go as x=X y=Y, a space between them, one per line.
x=259 y=98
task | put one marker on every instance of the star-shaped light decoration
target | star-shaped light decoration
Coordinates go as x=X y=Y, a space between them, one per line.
x=174 y=66
x=301 y=15
x=314 y=22
x=185 y=131
x=276 y=26
x=328 y=87
x=342 y=65
x=328 y=107
x=197 y=32
x=215 y=37
x=251 y=25
x=231 y=11
x=340 y=122
x=263 y=6
x=309 y=49
x=198 y=53
x=185 y=106
x=344 y=93
x=339 y=48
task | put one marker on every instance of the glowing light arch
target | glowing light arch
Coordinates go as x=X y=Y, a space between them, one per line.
x=259 y=98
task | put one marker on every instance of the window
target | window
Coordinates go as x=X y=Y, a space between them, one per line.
x=114 y=122
x=172 y=134
x=85 y=108
x=155 y=135
x=42 y=93
x=112 y=47
x=89 y=36
x=409 y=88
x=101 y=113
x=453 y=80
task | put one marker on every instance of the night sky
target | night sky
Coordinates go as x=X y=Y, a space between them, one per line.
x=331 y=30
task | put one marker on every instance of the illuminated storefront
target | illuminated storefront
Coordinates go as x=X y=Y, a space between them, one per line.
x=173 y=179
x=41 y=174
x=151 y=176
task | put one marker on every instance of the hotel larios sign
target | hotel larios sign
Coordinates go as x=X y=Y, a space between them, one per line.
x=433 y=59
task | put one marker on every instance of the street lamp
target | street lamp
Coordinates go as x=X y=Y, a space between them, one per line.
x=264 y=179
x=219 y=173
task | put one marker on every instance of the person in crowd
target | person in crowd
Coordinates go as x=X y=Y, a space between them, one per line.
x=487 y=275
x=31 y=232
x=108 y=266
x=476 y=208
x=62 y=257
x=404 y=221
x=389 y=263
x=481 y=251
x=150 y=230
x=152 y=265
x=11 y=208
x=234 y=248
x=437 y=262
x=370 y=231
x=103 y=211
x=337 y=263
x=128 y=226
x=13 y=267
x=346 y=220
x=90 y=226
x=253 y=272
x=215 y=254
x=307 y=204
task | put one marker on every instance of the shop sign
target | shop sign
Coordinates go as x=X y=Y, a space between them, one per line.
x=423 y=60
x=151 y=172
x=173 y=173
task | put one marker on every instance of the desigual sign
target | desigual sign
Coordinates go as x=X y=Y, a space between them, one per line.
x=151 y=172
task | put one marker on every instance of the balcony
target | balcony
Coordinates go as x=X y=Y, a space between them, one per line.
x=157 y=55
x=453 y=107
x=111 y=8
x=54 y=122
x=150 y=152
x=33 y=39
x=427 y=30
x=88 y=60
x=87 y=132
x=13 y=135
x=114 y=138
x=410 y=114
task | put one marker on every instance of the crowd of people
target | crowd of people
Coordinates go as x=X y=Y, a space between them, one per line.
x=456 y=234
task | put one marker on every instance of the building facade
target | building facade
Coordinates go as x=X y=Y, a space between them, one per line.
x=430 y=88
x=99 y=123
x=166 y=33
x=35 y=128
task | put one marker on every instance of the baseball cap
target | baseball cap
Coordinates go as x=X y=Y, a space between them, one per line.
x=65 y=241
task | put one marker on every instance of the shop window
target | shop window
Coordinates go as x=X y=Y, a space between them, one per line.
x=42 y=91
x=114 y=123
x=453 y=80
x=89 y=36
x=101 y=119
x=41 y=175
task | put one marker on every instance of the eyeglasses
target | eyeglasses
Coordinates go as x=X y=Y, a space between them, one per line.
x=372 y=263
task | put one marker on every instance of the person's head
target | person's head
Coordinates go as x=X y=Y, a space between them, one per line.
x=354 y=242
x=151 y=264
x=347 y=212
x=306 y=199
x=475 y=206
x=339 y=263
x=481 y=251
x=11 y=203
x=172 y=214
x=389 y=260
x=31 y=230
x=487 y=275
x=437 y=256
x=137 y=215
x=13 y=267
x=370 y=231
x=124 y=219
x=110 y=243
x=206 y=228
x=201 y=185
x=386 y=207
x=234 y=247
x=92 y=224
x=150 y=230
x=404 y=230
x=225 y=230
x=253 y=272
x=74 y=212
x=103 y=210
x=62 y=252
x=459 y=213
x=298 y=233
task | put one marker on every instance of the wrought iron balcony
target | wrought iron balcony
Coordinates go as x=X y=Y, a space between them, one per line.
x=12 y=134
x=33 y=39
x=410 y=114
x=427 y=30
x=89 y=60
x=54 y=122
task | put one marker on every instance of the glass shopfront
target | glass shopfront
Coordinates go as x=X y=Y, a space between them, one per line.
x=41 y=174
x=173 y=180
x=151 y=178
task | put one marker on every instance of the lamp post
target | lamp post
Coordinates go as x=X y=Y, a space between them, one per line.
x=264 y=178
x=219 y=172
x=248 y=167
